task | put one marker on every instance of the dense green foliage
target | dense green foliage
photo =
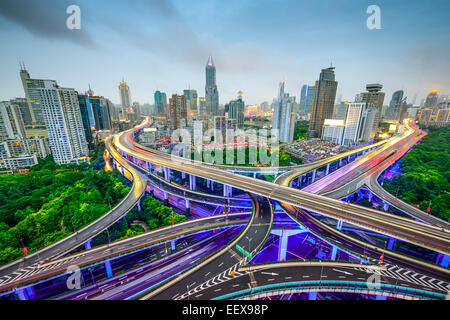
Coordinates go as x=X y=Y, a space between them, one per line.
x=426 y=174
x=155 y=214
x=301 y=129
x=46 y=204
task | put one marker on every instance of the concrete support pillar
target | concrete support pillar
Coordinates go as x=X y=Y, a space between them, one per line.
x=165 y=195
x=166 y=175
x=139 y=205
x=333 y=253
x=109 y=272
x=254 y=175
x=370 y=194
x=313 y=176
x=283 y=242
x=312 y=296
x=385 y=206
x=340 y=162
x=172 y=243
x=339 y=224
x=30 y=292
x=183 y=175
x=22 y=294
x=443 y=260
x=151 y=187
x=87 y=245
x=328 y=169
x=390 y=243
x=378 y=297
x=188 y=203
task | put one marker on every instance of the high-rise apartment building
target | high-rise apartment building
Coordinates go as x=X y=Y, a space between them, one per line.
x=82 y=101
x=211 y=92
x=236 y=110
x=284 y=115
x=176 y=114
x=22 y=103
x=375 y=96
x=11 y=122
x=62 y=117
x=340 y=110
x=323 y=102
x=354 y=129
x=31 y=88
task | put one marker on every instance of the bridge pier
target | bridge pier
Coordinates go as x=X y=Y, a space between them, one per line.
x=390 y=243
x=188 y=203
x=443 y=260
x=313 y=175
x=87 y=244
x=284 y=238
x=30 y=292
x=254 y=175
x=139 y=205
x=385 y=206
x=328 y=169
x=312 y=296
x=333 y=253
x=172 y=244
x=339 y=224
x=109 y=272
x=21 y=293
x=183 y=175
x=192 y=182
x=378 y=297
x=166 y=197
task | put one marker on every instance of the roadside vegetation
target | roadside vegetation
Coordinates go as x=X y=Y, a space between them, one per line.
x=425 y=178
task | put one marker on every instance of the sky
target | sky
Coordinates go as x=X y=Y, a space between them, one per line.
x=165 y=44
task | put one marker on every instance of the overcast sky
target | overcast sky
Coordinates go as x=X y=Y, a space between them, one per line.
x=164 y=45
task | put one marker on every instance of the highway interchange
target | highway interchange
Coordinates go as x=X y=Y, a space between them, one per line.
x=222 y=271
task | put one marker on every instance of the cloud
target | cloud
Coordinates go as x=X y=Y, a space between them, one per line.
x=44 y=18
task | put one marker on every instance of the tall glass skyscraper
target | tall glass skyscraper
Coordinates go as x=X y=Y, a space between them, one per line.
x=323 y=102
x=211 y=93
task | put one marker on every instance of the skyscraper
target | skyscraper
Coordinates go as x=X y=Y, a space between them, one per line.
x=432 y=98
x=62 y=117
x=160 y=103
x=306 y=99
x=190 y=98
x=202 y=108
x=11 y=123
x=176 y=114
x=31 y=88
x=211 y=93
x=125 y=98
x=236 y=110
x=22 y=103
x=375 y=96
x=394 y=105
x=85 y=120
x=323 y=102
x=284 y=115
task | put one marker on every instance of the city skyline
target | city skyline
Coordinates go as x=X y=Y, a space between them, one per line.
x=301 y=45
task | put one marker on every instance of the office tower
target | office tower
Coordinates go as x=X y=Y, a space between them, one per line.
x=402 y=114
x=85 y=120
x=323 y=102
x=176 y=106
x=190 y=98
x=31 y=88
x=136 y=109
x=375 y=96
x=125 y=98
x=236 y=110
x=222 y=125
x=264 y=106
x=11 y=122
x=62 y=117
x=432 y=98
x=340 y=110
x=359 y=122
x=160 y=103
x=306 y=99
x=284 y=115
x=394 y=105
x=211 y=93
x=202 y=108
x=101 y=112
